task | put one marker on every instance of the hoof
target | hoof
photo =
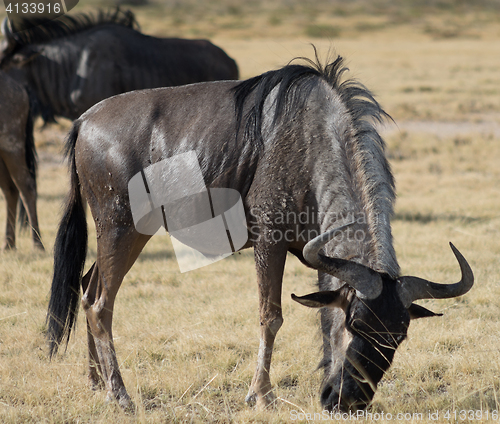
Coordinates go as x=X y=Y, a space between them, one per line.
x=39 y=246
x=123 y=400
x=96 y=383
x=262 y=402
x=251 y=399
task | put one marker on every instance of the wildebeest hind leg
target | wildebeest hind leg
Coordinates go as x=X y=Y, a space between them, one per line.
x=95 y=372
x=26 y=186
x=117 y=250
x=11 y=194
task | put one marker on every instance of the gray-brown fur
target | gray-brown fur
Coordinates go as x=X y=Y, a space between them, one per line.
x=296 y=142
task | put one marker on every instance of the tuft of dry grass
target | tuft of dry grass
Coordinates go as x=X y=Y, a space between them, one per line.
x=187 y=343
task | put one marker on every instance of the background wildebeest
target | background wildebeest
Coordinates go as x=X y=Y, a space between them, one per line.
x=17 y=157
x=73 y=62
x=293 y=141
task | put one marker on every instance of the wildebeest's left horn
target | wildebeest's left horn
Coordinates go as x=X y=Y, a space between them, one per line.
x=5 y=27
x=414 y=288
x=366 y=281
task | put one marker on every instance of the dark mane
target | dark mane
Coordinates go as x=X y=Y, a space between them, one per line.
x=359 y=101
x=367 y=160
x=67 y=25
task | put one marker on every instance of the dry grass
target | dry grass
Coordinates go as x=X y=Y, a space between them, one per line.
x=187 y=343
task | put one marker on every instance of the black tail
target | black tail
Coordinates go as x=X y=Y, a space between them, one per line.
x=70 y=251
x=31 y=160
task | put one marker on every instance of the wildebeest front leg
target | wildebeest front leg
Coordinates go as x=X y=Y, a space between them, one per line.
x=270 y=261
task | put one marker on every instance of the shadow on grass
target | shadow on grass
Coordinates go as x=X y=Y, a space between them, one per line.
x=157 y=255
x=426 y=218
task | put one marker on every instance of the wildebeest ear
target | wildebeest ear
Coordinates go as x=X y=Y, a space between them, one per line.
x=417 y=311
x=320 y=299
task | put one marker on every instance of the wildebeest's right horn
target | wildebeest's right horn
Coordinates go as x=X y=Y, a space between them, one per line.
x=6 y=31
x=366 y=281
x=414 y=288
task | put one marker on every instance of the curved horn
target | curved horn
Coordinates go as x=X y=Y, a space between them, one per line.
x=366 y=281
x=414 y=288
x=7 y=32
x=5 y=27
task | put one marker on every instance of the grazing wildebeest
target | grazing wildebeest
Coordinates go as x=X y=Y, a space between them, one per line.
x=300 y=147
x=17 y=157
x=73 y=62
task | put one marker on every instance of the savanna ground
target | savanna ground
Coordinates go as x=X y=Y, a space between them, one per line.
x=187 y=343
